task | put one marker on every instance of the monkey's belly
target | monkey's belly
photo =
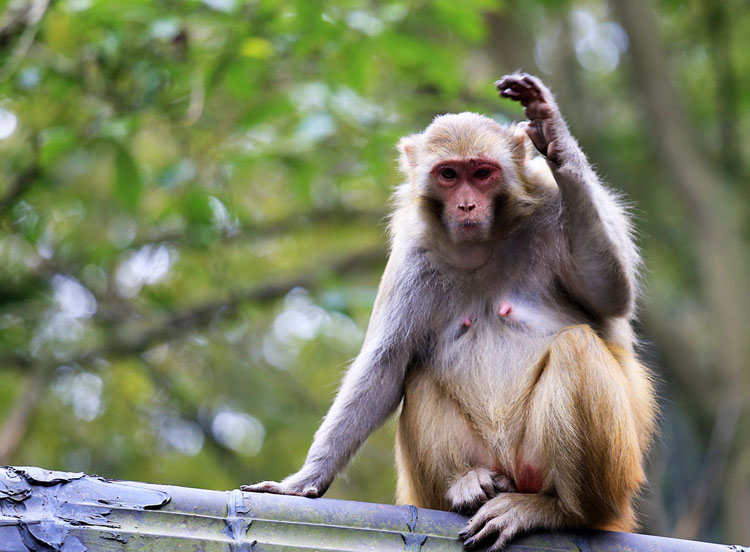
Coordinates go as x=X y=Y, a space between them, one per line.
x=465 y=409
x=487 y=371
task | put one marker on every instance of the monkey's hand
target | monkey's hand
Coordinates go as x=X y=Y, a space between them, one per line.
x=475 y=487
x=498 y=517
x=294 y=485
x=546 y=127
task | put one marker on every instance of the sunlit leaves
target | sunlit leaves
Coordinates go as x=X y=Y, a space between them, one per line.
x=256 y=48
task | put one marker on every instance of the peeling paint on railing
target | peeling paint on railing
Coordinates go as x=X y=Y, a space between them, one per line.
x=46 y=511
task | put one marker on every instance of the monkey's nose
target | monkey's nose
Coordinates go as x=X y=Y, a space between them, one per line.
x=466 y=207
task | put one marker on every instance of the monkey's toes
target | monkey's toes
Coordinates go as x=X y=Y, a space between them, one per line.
x=495 y=527
x=471 y=490
x=503 y=484
x=492 y=527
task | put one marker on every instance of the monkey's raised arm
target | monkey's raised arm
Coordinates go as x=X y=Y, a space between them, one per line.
x=370 y=391
x=602 y=274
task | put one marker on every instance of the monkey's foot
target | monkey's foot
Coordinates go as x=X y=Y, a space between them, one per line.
x=476 y=487
x=539 y=107
x=496 y=518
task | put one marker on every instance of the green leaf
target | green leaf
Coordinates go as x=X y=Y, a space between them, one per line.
x=196 y=209
x=55 y=142
x=128 y=181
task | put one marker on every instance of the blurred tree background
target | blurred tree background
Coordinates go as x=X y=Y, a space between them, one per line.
x=192 y=196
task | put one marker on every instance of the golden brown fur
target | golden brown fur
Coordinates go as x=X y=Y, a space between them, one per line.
x=575 y=409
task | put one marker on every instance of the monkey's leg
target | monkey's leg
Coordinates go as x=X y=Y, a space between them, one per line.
x=580 y=452
x=441 y=462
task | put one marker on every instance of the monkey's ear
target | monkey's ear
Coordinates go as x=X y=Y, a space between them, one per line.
x=519 y=144
x=407 y=149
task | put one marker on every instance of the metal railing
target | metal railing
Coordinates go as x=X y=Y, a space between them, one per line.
x=44 y=510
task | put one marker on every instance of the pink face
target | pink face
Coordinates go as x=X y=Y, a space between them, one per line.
x=466 y=188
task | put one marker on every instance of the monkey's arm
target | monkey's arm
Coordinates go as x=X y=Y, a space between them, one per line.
x=370 y=391
x=602 y=274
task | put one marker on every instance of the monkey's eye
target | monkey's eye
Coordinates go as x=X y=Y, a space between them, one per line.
x=448 y=174
x=482 y=173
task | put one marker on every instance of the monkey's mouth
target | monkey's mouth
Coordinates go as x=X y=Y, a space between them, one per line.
x=469 y=230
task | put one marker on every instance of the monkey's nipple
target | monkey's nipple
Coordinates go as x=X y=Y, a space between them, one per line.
x=505 y=308
x=464 y=327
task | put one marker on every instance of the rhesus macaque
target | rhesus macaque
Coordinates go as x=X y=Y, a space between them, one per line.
x=502 y=328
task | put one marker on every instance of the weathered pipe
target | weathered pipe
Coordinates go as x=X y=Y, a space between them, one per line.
x=44 y=510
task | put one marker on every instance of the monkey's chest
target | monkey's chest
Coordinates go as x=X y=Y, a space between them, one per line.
x=500 y=335
x=487 y=360
x=488 y=356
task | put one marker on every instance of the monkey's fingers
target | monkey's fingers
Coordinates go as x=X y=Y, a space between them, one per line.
x=471 y=490
x=272 y=487
x=514 y=83
x=265 y=487
x=510 y=94
x=532 y=82
x=535 y=131
x=311 y=492
x=521 y=88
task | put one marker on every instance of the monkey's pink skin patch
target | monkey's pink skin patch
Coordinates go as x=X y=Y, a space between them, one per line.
x=530 y=479
x=467 y=322
x=505 y=308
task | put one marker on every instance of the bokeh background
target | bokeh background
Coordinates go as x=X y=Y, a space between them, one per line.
x=192 y=201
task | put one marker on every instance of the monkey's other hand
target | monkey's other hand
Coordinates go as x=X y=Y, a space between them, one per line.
x=290 y=486
x=497 y=518
x=540 y=108
x=274 y=487
x=475 y=487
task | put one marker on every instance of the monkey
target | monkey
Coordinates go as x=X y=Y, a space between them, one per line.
x=502 y=327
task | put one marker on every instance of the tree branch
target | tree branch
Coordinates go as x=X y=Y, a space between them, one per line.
x=200 y=316
x=31 y=16
x=718 y=29
x=335 y=214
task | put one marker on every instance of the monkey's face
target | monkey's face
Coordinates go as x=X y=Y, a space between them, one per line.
x=463 y=170
x=465 y=190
